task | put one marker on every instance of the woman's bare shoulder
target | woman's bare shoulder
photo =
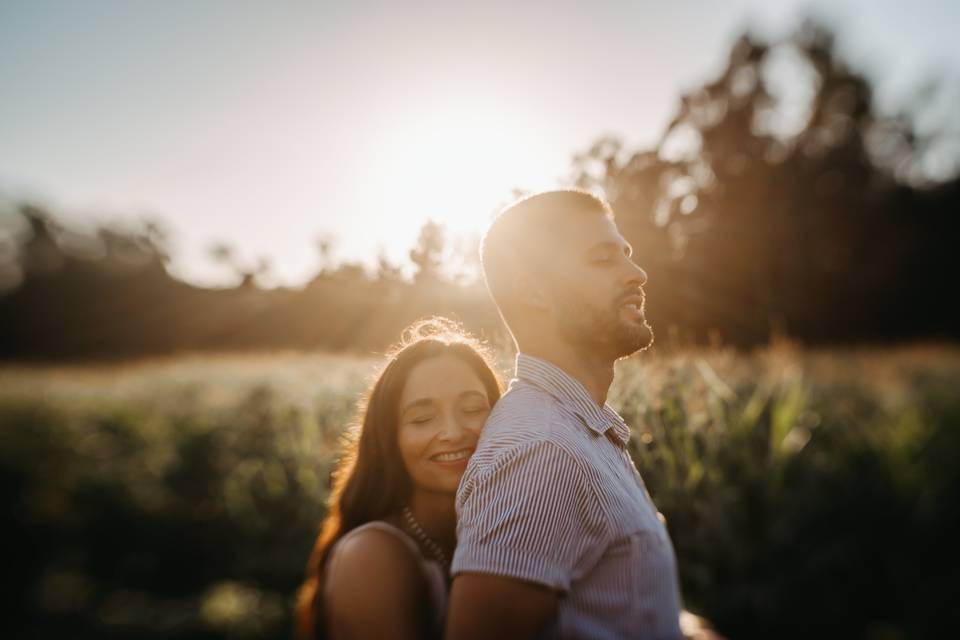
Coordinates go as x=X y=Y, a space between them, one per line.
x=373 y=581
x=373 y=548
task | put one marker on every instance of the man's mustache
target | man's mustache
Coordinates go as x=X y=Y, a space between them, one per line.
x=633 y=296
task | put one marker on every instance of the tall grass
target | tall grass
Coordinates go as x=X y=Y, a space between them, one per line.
x=804 y=491
x=807 y=492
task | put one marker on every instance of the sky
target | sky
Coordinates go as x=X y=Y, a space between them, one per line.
x=269 y=125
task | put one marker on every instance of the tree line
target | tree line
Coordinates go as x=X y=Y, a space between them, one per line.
x=779 y=201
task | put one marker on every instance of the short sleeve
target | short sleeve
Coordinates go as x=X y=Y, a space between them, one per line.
x=531 y=514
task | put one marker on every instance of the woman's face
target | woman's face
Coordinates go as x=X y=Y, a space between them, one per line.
x=442 y=410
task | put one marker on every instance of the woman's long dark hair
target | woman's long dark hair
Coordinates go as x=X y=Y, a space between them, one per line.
x=371 y=482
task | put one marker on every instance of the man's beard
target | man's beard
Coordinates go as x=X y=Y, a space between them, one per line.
x=604 y=331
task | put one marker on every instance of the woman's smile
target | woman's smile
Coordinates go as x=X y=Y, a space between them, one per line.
x=452 y=457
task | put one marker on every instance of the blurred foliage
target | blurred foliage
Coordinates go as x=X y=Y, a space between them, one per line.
x=803 y=503
x=778 y=202
x=427 y=255
x=86 y=298
x=781 y=202
x=163 y=518
x=805 y=492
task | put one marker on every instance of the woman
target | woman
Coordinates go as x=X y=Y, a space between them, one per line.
x=380 y=565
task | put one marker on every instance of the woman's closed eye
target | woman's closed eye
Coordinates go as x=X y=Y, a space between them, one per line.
x=475 y=410
x=422 y=419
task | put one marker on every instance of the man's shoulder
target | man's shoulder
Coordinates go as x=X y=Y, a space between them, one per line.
x=528 y=410
x=523 y=417
x=523 y=401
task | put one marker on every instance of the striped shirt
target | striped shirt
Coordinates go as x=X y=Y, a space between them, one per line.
x=552 y=496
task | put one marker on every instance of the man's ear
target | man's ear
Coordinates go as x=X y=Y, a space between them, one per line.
x=529 y=291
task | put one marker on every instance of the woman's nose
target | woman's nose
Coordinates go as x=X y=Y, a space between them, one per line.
x=450 y=428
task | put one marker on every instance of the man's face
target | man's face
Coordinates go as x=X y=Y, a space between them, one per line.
x=595 y=289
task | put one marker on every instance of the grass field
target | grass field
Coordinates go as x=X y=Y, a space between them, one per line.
x=805 y=491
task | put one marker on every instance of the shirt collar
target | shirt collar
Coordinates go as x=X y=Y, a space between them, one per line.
x=573 y=395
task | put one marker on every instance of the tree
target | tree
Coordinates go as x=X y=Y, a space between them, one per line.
x=248 y=272
x=326 y=247
x=387 y=272
x=427 y=255
x=769 y=207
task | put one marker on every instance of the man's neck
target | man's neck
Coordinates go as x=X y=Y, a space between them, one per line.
x=594 y=372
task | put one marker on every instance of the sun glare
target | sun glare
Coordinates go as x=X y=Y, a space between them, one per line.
x=452 y=166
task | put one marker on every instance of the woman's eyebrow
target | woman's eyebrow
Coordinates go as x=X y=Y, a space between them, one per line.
x=422 y=402
x=473 y=392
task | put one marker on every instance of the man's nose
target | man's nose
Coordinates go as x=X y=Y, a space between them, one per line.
x=637 y=276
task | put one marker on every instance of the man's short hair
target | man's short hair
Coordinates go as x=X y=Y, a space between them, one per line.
x=521 y=232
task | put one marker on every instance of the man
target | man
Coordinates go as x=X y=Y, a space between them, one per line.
x=557 y=535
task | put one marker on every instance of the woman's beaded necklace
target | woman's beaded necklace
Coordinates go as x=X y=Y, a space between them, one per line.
x=425 y=541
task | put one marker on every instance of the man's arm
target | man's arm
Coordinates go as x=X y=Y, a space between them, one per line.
x=488 y=606
x=526 y=525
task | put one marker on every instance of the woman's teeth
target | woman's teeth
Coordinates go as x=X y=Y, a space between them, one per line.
x=452 y=456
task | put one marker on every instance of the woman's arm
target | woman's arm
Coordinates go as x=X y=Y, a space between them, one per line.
x=374 y=589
